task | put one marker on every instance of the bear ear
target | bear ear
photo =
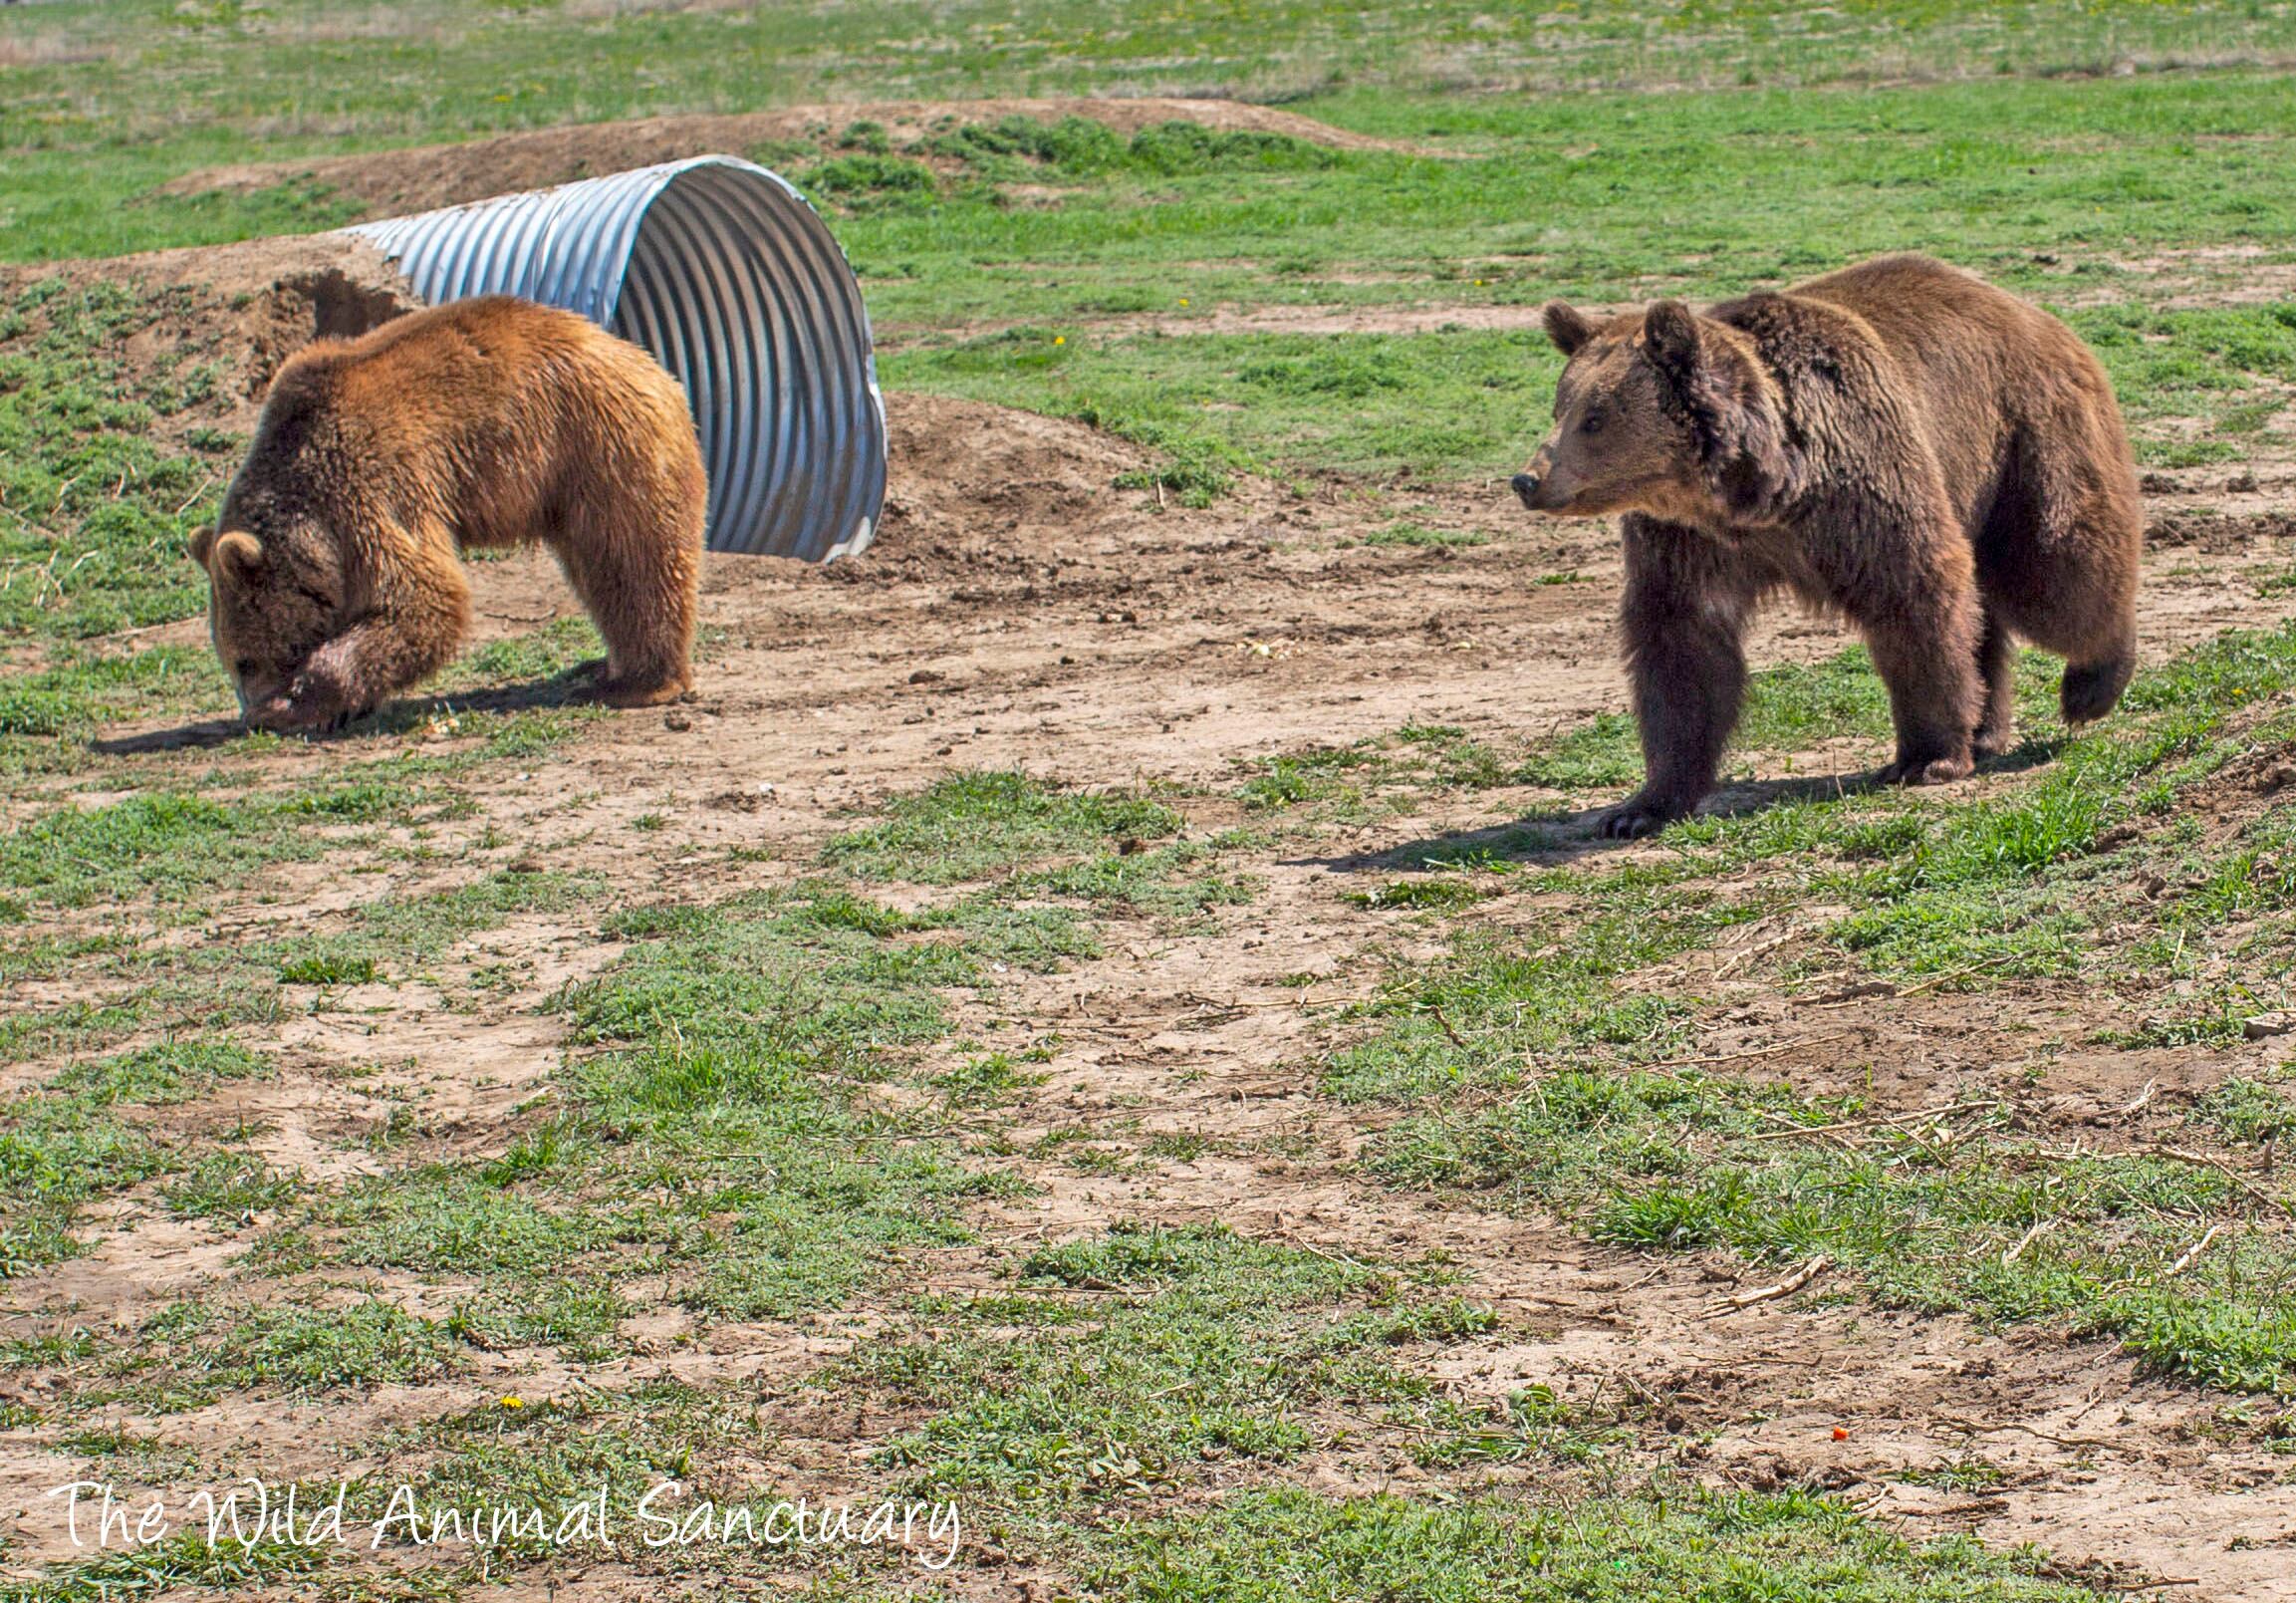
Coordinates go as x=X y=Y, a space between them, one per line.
x=1568 y=326
x=237 y=554
x=1670 y=340
x=201 y=544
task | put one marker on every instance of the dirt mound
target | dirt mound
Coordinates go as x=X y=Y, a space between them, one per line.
x=244 y=308
x=2217 y=531
x=972 y=487
x=390 y=183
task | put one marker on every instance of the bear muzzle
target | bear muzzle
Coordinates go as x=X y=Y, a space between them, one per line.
x=1526 y=486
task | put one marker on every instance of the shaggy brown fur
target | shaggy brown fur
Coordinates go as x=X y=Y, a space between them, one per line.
x=1898 y=441
x=333 y=570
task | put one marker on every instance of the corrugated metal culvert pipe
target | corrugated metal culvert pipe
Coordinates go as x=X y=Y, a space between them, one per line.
x=721 y=270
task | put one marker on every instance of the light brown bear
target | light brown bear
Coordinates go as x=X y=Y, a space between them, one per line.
x=333 y=572
x=1899 y=443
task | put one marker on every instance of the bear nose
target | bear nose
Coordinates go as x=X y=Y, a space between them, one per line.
x=1526 y=485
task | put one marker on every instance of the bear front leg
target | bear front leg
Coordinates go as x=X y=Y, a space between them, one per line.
x=1682 y=617
x=399 y=644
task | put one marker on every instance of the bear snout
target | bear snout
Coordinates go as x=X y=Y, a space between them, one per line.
x=1526 y=485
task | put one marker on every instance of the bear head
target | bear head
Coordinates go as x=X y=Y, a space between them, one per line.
x=271 y=603
x=1660 y=411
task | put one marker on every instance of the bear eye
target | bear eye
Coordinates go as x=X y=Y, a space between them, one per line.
x=1593 y=424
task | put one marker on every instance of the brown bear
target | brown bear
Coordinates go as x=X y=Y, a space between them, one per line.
x=332 y=570
x=1899 y=442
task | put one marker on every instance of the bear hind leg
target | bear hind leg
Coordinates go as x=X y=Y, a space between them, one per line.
x=1930 y=668
x=2060 y=558
x=2093 y=689
x=642 y=592
x=1997 y=672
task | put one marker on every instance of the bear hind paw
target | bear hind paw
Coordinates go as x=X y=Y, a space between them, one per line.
x=1926 y=771
x=634 y=693
x=1632 y=819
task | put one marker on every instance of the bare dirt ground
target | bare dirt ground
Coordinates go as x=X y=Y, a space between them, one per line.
x=1020 y=611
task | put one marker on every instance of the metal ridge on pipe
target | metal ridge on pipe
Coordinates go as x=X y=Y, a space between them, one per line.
x=721 y=269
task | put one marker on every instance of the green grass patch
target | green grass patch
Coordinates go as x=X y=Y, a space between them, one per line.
x=95 y=512
x=1209 y=1347
x=1423 y=536
x=736 y=1048
x=173 y=844
x=58 y=1152
x=972 y=826
x=189 y=1354
x=1669 y=1539
x=67 y=1143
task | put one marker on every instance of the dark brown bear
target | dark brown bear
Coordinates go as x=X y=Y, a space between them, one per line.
x=333 y=570
x=1897 y=441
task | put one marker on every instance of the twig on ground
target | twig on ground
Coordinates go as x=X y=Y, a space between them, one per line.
x=1931 y=983
x=2185 y=1262
x=1748 y=955
x=2076 y=1443
x=1919 y=1115
x=1305 y=1246
x=1734 y=1057
x=194 y=495
x=1784 y=1289
x=2228 y=1171
x=2040 y=1228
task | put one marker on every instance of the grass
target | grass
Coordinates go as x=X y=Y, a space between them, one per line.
x=736 y=1052
x=143 y=91
x=1205 y=1359
x=1471 y=405
x=974 y=825
x=80 y=459
x=176 y=845
x=1289 y=1546
x=57 y=1153
x=76 y=1140
x=1962 y=1215
x=1761 y=184
x=185 y=1559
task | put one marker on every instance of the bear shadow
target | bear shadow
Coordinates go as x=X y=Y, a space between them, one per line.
x=573 y=686
x=1553 y=840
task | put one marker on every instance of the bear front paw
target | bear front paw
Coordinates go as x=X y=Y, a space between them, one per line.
x=315 y=702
